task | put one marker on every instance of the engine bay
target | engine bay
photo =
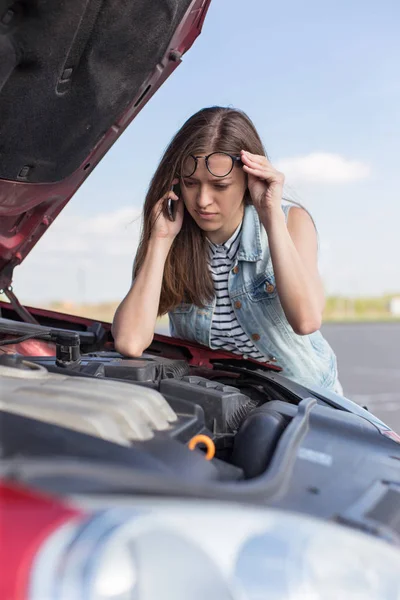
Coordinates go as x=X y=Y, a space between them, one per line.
x=155 y=413
x=139 y=412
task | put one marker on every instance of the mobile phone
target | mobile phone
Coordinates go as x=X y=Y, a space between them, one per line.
x=172 y=205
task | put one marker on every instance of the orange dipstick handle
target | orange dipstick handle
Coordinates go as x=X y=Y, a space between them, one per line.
x=203 y=439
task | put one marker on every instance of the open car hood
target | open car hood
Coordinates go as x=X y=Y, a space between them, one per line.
x=73 y=75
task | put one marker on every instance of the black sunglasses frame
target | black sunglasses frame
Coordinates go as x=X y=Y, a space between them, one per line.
x=207 y=157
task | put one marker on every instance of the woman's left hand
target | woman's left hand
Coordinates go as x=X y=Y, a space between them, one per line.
x=265 y=183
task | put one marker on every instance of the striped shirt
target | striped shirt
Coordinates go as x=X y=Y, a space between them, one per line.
x=226 y=333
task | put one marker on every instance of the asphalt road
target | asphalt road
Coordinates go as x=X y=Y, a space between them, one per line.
x=369 y=366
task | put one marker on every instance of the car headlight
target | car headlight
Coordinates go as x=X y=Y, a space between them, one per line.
x=116 y=573
x=191 y=550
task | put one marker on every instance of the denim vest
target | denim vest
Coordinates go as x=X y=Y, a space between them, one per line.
x=307 y=359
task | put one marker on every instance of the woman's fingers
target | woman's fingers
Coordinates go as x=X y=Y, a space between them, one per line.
x=262 y=169
x=255 y=164
x=260 y=173
x=256 y=158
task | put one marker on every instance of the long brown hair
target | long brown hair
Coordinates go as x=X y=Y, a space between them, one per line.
x=186 y=274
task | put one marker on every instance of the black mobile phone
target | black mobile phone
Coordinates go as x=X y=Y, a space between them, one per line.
x=172 y=205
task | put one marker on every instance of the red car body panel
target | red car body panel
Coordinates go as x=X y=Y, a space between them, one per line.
x=27 y=518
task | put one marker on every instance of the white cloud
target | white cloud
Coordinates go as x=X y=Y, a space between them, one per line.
x=322 y=167
x=112 y=234
x=82 y=258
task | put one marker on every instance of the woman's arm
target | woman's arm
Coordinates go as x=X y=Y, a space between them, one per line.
x=135 y=319
x=293 y=246
x=293 y=250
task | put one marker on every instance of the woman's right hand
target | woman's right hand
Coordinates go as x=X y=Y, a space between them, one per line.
x=163 y=227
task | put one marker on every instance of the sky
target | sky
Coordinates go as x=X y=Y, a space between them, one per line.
x=321 y=81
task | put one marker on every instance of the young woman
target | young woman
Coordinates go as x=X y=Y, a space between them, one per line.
x=236 y=269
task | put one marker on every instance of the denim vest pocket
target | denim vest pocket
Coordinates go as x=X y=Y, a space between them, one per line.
x=263 y=304
x=263 y=288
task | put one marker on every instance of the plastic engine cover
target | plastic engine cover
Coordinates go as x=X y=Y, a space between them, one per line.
x=111 y=410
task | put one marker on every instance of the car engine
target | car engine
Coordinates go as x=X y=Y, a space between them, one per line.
x=151 y=413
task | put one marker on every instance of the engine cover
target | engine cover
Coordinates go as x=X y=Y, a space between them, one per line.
x=104 y=408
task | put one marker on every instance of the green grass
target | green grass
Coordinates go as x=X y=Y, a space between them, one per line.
x=359 y=309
